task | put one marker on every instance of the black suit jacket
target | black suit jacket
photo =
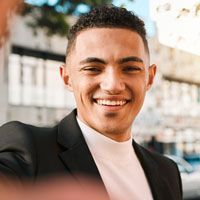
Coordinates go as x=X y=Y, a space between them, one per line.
x=30 y=152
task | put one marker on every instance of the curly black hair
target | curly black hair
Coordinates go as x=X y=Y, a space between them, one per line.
x=108 y=16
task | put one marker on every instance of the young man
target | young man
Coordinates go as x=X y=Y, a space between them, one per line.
x=108 y=70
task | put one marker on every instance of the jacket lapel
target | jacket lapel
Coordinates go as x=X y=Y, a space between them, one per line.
x=160 y=188
x=75 y=155
x=78 y=159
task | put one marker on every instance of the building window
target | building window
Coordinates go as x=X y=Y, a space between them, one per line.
x=181 y=98
x=35 y=81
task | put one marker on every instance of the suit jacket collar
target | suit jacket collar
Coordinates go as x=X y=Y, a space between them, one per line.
x=76 y=155
x=78 y=159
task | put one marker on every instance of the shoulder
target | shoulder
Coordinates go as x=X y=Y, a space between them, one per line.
x=19 y=148
x=165 y=167
x=13 y=130
x=161 y=162
x=21 y=133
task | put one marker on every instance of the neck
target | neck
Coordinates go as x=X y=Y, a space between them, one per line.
x=119 y=137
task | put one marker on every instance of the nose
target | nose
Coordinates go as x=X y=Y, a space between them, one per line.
x=112 y=81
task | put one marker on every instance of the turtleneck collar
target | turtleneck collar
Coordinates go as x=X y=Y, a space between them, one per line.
x=106 y=147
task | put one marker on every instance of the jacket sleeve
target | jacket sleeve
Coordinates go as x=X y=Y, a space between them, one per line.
x=17 y=156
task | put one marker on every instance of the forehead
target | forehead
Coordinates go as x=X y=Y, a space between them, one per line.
x=117 y=35
x=108 y=42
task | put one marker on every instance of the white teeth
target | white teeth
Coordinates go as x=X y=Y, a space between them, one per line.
x=110 y=103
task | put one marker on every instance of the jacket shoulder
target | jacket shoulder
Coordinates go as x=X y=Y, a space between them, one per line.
x=167 y=169
x=18 y=149
x=164 y=163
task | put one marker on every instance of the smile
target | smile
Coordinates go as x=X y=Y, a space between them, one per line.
x=105 y=102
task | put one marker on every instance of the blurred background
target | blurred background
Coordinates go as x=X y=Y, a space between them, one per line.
x=32 y=91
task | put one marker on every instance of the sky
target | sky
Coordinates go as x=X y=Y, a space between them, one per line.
x=140 y=7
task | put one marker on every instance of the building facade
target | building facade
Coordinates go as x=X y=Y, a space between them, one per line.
x=32 y=90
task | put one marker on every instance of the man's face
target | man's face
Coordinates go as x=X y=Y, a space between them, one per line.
x=108 y=72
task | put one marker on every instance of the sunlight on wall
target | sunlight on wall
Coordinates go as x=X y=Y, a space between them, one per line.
x=178 y=23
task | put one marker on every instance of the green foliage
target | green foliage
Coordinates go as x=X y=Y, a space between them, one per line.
x=54 y=18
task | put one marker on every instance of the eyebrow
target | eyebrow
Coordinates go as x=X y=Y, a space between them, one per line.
x=92 y=60
x=120 y=61
x=130 y=59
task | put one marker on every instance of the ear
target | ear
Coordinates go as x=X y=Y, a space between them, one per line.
x=64 y=73
x=151 y=73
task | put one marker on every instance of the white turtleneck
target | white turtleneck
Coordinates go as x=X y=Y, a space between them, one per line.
x=118 y=166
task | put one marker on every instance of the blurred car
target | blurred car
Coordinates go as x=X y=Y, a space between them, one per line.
x=194 y=160
x=190 y=178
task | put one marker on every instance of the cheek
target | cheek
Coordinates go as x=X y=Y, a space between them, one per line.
x=139 y=90
x=138 y=84
x=83 y=90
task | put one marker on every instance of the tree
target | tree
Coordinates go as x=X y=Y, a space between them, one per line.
x=55 y=18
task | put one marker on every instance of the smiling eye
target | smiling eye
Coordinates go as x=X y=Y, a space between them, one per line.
x=92 y=69
x=131 y=69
